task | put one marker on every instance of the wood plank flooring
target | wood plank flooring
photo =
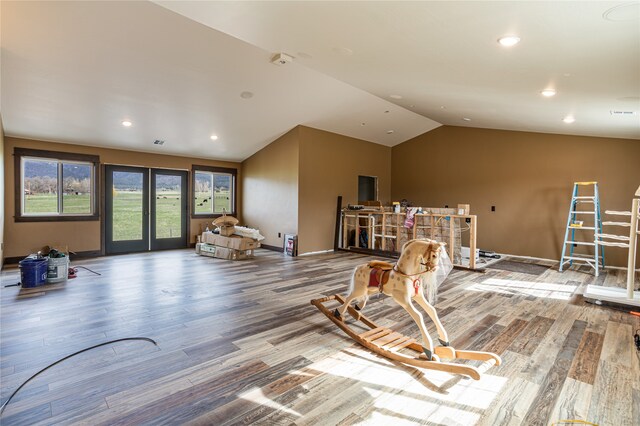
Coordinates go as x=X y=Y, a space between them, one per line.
x=239 y=343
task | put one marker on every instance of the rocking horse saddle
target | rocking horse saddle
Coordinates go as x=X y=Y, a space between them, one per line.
x=380 y=264
x=379 y=274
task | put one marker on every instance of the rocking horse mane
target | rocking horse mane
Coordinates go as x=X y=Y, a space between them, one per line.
x=430 y=287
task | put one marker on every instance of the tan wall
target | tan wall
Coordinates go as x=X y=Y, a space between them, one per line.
x=527 y=176
x=270 y=182
x=329 y=166
x=2 y=192
x=24 y=238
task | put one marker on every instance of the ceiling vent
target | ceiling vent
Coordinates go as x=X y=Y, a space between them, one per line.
x=281 y=59
x=622 y=113
x=158 y=142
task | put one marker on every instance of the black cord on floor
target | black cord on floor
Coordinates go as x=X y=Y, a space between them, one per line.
x=90 y=270
x=67 y=357
x=636 y=339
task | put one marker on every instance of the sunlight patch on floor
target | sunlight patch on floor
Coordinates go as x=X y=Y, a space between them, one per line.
x=414 y=383
x=526 y=288
x=398 y=409
x=257 y=396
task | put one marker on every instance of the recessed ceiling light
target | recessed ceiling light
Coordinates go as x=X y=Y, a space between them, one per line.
x=569 y=119
x=127 y=123
x=509 y=40
x=246 y=95
x=466 y=119
x=395 y=96
x=547 y=93
x=389 y=132
x=214 y=137
x=411 y=106
x=443 y=107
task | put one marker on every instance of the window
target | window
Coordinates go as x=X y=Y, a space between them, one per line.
x=214 y=191
x=55 y=186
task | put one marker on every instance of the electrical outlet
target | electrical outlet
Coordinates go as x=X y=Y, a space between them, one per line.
x=279 y=235
x=493 y=208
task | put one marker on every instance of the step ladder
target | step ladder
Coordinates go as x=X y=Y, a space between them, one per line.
x=576 y=222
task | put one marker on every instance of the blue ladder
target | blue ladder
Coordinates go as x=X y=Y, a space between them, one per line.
x=596 y=261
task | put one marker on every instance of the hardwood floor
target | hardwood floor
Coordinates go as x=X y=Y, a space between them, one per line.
x=239 y=343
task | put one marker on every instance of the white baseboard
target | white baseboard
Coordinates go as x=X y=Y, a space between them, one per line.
x=611 y=295
x=311 y=253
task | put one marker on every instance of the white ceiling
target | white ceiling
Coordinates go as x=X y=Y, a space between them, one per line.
x=72 y=71
x=445 y=54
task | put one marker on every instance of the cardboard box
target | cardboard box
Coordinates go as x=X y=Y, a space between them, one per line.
x=291 y=244
x=235 y=242
x=464 y=209
x=207 y=250
x=227 y=230
x=210 y=250
x=231 y=254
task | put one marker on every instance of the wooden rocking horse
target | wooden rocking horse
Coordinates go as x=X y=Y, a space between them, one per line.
x=406 y=282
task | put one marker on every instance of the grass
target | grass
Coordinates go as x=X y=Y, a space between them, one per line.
x=48 y=203
x=127 y=209
x=222 y=200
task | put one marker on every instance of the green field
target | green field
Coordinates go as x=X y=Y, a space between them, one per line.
x=167 y=215
x=222 y=200
x=47 y=203
x=127 y=212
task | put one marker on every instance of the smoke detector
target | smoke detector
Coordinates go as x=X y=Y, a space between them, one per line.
x=281 y=59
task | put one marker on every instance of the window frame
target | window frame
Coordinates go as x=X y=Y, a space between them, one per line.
x=212 y=169
x=61 y=157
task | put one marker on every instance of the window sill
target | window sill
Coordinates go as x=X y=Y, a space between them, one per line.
x=56 y=218
x=210 y=216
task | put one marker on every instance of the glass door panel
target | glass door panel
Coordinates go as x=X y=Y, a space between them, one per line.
x=127 y=209
x=168 y=209
x=128 y=206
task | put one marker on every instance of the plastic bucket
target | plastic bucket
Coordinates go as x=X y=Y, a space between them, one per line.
x=57 y=269
x=33 y=272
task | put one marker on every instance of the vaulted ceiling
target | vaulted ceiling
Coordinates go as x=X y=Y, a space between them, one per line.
x=379 y=71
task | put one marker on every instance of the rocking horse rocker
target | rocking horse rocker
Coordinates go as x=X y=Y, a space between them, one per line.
x=422 y=265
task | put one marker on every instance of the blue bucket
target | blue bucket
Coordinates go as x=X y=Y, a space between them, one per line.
x=33 y=272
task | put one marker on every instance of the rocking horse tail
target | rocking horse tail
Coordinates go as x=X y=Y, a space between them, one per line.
x=352 y=282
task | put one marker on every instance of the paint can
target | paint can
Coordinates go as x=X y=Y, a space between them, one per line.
x=33 y=272
x=57 y=269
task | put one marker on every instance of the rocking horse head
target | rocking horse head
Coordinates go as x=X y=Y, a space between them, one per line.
x=420 y=255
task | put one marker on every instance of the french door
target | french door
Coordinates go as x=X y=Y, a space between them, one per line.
x=145 y=209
